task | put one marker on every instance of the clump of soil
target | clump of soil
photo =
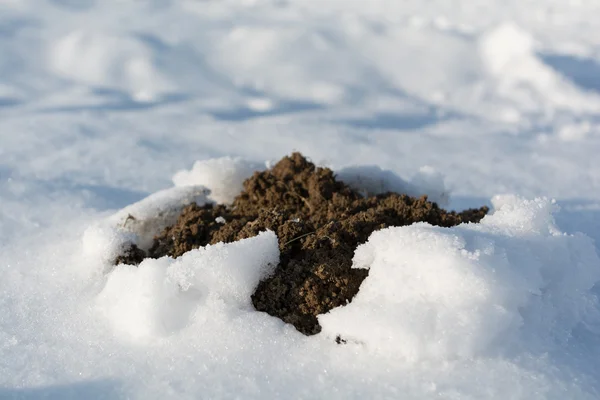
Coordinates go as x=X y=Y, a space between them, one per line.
x=131 y=254
x=319 y=221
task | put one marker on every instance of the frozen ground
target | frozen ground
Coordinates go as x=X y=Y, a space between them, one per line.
x=102 y=103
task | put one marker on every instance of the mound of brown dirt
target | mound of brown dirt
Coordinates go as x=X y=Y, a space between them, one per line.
x=319 y=222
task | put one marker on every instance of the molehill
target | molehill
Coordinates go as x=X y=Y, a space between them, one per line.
x=319 y=221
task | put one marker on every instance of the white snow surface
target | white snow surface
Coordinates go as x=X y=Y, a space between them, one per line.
x=114 y=115
x=472 y=290
x=224 y=176
x=158 y=297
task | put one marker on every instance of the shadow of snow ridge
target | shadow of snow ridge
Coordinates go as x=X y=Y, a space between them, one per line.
x=99 y=389
x=583 y=72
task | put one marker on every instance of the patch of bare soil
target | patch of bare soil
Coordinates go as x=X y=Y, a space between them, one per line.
x=319 y=222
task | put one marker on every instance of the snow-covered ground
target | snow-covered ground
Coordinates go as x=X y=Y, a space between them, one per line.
x=103 y=103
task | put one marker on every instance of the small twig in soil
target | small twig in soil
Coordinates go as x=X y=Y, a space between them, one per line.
x=298 y=237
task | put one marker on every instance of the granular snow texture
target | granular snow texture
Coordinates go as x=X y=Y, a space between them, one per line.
x=319 y=222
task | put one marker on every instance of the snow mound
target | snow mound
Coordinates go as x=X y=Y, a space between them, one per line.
x=223 y=176
x=509 y=55
x=137 y=223
x=102 y=243
x=373 y=180
x=159 y=297
x=513 y=281
x=103 y=59
x=244 y=51
x=140 y=222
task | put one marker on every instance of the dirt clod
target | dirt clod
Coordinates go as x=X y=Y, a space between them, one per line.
x=131 y=255
x=319 y=222
x=194 y=228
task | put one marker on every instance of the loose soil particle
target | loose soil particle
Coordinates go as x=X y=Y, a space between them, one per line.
x=319 y=221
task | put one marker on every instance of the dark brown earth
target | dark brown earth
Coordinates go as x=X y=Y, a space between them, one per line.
x=319 y=222
x=131 y=254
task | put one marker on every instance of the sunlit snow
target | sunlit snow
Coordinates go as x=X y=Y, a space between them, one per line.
x=115 y=115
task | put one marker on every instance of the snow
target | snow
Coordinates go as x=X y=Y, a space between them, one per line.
x=149 y=216
x=115 y=115
x=224 y=176
x=158 y=297
x=372 y=180
x=473 y=290
x=108 y=60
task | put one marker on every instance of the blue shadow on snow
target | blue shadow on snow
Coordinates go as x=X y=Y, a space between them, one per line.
x=583 y=72
x=98 y=390
x=120 y=101
x=389 y=121
x=283 y=107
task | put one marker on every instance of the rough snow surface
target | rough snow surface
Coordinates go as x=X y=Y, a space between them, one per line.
x=104 y=105
x=459 y=312
x=471 y=291
x=149 y=216
x=160 y=297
